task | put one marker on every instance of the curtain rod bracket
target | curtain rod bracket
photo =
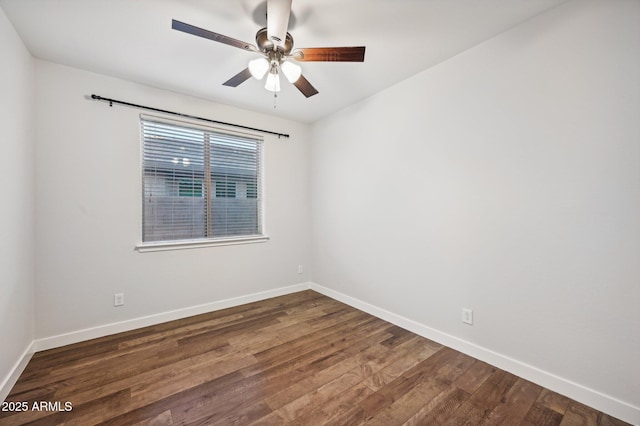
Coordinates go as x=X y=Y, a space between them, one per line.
x=112 y=101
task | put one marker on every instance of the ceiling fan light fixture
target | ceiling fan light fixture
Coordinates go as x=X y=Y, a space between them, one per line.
x=258 y=68
x=273 y=82
x=276 y=45
x=291 y=71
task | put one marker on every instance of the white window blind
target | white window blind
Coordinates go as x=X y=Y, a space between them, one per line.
x=199 y=183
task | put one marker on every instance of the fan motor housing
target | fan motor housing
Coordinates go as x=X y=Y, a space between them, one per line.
x=266 y=45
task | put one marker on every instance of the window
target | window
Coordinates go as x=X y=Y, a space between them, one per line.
x=200 y=185
x=225 y=189
x=190 y=188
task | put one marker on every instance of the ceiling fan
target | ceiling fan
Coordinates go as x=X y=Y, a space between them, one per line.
x=275 y=45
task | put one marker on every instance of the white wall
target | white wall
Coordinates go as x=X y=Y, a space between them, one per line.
x=17 y=253
x=505 y=180
x=89 y=209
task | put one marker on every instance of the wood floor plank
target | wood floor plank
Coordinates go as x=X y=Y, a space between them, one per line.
x=540 y=415
x=579 y=415
x=162 y=419
x=177 y=402
x=300 y=406
x=515 y=404
x=475 y=409
x=301 y=358
x=387 y=394
x=425 y=389
x=475 y=376
x=345 y=376
x=405 y=407
x=554 y=401
x=305 y=365
x=396 y=365
x=357 y=364
x=348 y=360
x=440 y=408
x=334 y=409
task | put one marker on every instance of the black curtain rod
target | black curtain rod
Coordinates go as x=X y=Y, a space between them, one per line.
x=114 y=101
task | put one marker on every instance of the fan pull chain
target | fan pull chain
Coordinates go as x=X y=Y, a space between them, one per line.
x=275 y=98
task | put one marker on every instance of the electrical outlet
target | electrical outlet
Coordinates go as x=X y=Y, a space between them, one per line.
x=299 y=269
x=467 y=316
x=118 y=299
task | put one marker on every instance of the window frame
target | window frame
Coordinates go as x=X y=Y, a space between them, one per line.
x=177 y=244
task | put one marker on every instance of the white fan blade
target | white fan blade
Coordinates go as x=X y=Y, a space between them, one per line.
x=278 y=12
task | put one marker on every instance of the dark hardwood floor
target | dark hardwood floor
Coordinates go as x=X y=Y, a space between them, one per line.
x=298 y=359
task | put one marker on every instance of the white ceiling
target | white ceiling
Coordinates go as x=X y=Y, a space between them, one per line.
x=133 y=39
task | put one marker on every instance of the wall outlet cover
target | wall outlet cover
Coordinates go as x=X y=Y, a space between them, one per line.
x=467 y=316
x=118 y=299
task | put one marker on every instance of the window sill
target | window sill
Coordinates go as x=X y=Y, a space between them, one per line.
x=190 y=244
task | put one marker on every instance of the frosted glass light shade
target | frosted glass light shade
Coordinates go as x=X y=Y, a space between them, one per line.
x=291 y=71
x=258 y=68
x=273 y=82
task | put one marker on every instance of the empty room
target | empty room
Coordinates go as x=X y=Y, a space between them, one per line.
x=320 y=213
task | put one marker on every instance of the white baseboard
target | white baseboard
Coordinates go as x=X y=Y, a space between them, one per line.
x=587 y=396
x=119 y=327
x=16 y=371
x=590 y=397
x=132 y=324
